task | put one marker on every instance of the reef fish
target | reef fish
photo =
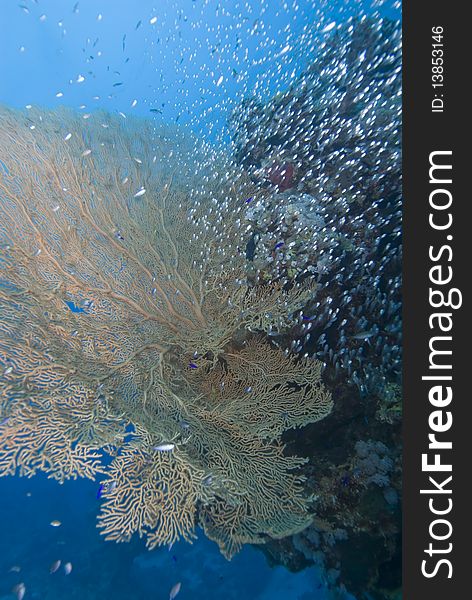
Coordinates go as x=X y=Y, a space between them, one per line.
x=67 y=568
x=106 y=487
x=55 y=566
x=175 y=590
x=55 y=523
x=164 y=447
x=363 y=335
x=19 y=591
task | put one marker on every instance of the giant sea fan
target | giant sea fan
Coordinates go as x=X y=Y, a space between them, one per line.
x=128 y=331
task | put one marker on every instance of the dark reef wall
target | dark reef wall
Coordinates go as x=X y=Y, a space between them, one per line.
x=327 y=155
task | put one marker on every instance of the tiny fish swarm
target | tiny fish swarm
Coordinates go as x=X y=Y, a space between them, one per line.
x=107 y=296
x=327 y=153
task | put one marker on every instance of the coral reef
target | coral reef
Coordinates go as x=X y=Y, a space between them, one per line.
x=132 y=347
x=337 y=214
x=161 y=313
x=355 y=475
x=326 y=155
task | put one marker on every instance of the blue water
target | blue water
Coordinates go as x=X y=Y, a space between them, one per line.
x=193 y=65
x=105 y=570
x=173 y=65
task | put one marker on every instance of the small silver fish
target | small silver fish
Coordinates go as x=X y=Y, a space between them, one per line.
x=140 y=192
x=175 y=590
x=164 y=447
x=67 y=568
x=55 y=566
x=363 y=335
x=19 y=590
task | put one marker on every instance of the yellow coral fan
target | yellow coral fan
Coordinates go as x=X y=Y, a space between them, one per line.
x=128 y=328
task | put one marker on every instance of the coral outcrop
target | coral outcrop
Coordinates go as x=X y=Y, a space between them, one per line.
x=132 y=347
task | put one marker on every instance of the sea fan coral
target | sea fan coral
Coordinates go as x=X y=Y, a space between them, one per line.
x=128 y=330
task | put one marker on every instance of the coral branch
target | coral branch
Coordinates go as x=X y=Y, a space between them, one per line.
x=129 y=328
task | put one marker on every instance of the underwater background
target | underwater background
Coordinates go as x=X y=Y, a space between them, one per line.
x=302 y=99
